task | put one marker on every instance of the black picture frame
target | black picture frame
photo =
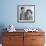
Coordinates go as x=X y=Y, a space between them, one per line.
x=27 y=8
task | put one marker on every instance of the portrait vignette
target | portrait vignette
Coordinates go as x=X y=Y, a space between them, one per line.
x=25 y=13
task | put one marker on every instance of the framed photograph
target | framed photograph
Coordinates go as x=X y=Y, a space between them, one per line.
x=26 y=13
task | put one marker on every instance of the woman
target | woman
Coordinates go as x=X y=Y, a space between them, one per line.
x=28 y=14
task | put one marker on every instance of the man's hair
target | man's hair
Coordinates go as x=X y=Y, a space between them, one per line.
x=22 y=8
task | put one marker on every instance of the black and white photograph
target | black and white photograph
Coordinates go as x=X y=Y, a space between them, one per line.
x=26 y=13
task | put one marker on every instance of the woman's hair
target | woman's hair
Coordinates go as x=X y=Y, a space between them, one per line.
x=28 y=10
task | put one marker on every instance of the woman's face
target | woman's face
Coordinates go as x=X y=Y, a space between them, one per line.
x=29 y=13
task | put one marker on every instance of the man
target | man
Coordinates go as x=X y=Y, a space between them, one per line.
x=22 y=13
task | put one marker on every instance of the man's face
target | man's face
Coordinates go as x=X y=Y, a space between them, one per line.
x=23 y=10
